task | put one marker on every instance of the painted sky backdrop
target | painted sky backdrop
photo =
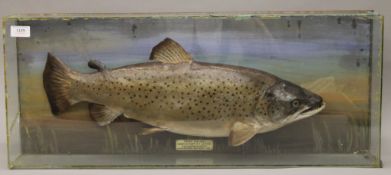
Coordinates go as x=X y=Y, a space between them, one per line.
x=296 y=48
x=121 y=41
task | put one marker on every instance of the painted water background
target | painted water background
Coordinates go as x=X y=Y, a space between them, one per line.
x=328 y=54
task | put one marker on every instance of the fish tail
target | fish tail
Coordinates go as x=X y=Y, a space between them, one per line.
x=57 y=81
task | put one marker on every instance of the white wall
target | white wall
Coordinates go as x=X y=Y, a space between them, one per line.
x=12 y=7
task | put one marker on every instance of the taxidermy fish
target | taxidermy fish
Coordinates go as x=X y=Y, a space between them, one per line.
x=173 y=93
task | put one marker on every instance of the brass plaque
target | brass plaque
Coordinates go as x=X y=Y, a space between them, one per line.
x=194 y=145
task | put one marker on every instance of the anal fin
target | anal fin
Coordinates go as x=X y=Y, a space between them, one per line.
x=103 y=115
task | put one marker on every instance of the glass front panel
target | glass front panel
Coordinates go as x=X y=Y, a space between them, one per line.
x=336 y=55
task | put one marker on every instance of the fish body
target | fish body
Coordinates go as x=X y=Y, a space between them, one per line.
x=176 y=94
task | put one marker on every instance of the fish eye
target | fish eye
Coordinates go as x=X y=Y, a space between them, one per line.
x=295 y=103
x=269 y=95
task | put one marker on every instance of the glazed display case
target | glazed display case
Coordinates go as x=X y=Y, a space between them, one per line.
x=336 y=55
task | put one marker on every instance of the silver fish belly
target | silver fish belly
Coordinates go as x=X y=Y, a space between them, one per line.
x=174 y=93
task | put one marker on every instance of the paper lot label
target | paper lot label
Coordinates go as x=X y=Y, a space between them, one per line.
x=20 y=31
x=194 y=145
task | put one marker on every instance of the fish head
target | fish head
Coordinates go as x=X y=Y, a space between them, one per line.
x=287 y=103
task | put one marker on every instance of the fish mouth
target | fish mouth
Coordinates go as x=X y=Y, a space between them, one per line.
x=305 y=113
x=310 y=111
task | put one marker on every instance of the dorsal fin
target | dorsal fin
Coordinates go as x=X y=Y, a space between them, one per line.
x=169 y=51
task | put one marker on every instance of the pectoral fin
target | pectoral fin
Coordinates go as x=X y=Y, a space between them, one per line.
x=103 y=115
x=241 y=132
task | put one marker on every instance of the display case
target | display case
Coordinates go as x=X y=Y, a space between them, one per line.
x=282 y=89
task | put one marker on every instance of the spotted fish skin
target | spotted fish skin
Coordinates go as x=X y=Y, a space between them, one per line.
x=173 y=94
x=155 y=92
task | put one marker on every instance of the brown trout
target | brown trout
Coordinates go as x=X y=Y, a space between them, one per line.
x=173 y=93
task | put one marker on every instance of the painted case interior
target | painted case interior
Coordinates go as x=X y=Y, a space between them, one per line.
x=335 y=54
